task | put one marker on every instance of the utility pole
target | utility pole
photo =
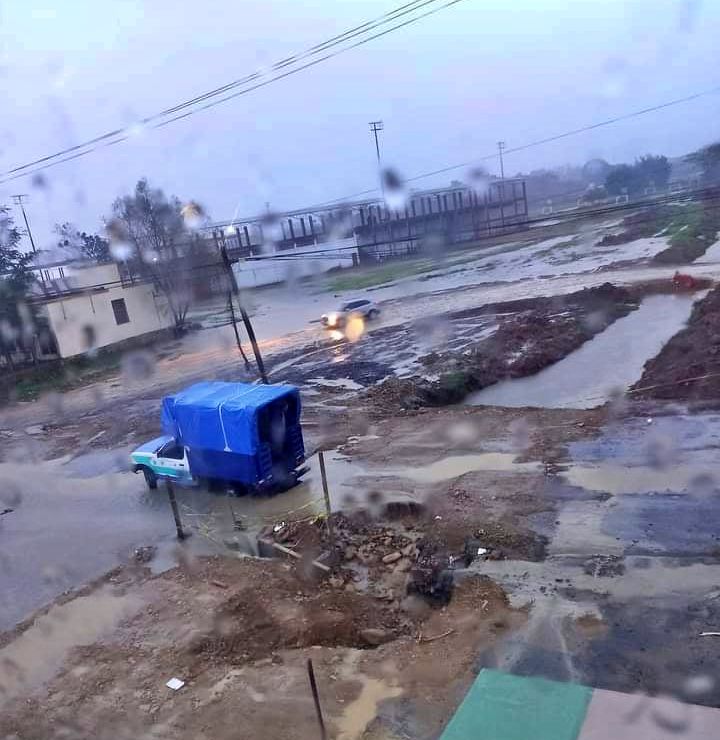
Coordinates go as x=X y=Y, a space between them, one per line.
x=501 y=147
x=235 y=329
x=375 y=127
x=18 y=201
x=244 y=314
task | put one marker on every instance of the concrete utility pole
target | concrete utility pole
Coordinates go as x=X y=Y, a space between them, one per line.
x=243 y=313
x=375 y=127
x=501 y=147
x=18 y=201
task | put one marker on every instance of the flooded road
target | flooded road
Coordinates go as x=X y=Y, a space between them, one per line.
x=632 y=574
x=71 y=524
x=603 y=367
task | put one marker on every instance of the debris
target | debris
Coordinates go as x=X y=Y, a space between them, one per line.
x=293 y=554
x=219 y=584
x=649 y=421
x=6 y=511
x=350 y=552
x=279 y=526
x=392 y=557
x=144 y=554
x=710 y=634
x=435 y=637
x=35 y=429
x=403 y=566
x=604 y=566
x=95 y=437
x=175 y=684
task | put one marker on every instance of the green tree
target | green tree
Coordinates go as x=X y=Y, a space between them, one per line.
x=91 y=246
x=16 y=316
x=708 y=159
x=622 y=179
x=652 y=170
x=152 y=233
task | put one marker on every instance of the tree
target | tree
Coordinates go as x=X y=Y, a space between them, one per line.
x=648 y=171
x=621 y=179
x=595 y=170
x=653 y=171
x=708 y=159
x=91 y=246
x=154 y=230
x=16 y=317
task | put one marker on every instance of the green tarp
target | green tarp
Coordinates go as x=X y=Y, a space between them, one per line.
x=500 y=706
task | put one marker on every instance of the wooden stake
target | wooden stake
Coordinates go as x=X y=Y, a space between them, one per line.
x=326 y=493
x=316 y=699
x=176 y=513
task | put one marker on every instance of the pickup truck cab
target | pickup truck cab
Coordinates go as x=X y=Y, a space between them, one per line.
x=162 y=458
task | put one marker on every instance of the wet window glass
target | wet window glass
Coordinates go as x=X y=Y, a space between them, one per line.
x=359 y=370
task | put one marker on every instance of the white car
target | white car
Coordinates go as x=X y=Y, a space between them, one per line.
x=360 y=307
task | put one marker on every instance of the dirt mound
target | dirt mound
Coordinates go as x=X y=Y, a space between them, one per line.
x=524 y=344
x=679 y=371
x=253 y=624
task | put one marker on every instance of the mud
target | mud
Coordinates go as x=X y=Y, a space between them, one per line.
x=687 y=366
x=196 y=623
x=524 y=344
x=691 y=229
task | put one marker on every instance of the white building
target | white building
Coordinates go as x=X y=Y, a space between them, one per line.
x=93 y=307
x=296 y=263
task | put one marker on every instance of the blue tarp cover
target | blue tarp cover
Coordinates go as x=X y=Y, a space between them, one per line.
x=220 y=416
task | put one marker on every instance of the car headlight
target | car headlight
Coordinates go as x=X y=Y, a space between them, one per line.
x=332 y=319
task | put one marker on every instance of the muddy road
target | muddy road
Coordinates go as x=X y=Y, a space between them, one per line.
x=576 y=518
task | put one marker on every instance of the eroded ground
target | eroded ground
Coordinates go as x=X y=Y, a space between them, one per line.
x=580 y=542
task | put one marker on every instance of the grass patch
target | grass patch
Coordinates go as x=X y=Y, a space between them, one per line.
x=690 y=234
x=371 y=276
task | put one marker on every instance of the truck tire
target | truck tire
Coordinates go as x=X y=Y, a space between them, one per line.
x=150 y=478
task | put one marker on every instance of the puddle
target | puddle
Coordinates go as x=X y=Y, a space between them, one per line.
x=612 y=360
x=346 y=383
x=363 y=710
x=616 y=479
x=457 y=465
x=348 y=482
x=36 y=655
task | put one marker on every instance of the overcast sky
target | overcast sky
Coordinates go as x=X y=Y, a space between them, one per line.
x=447 y=88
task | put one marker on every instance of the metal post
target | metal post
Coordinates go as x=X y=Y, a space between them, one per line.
x=176 y=513
x=326 y=493
x=244 y=314
x=316 y=699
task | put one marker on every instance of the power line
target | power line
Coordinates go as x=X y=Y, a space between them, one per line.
x=120 y=135
x=537 y=142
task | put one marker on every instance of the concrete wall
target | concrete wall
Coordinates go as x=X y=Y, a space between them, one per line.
x=68 y=316
x=292 y=264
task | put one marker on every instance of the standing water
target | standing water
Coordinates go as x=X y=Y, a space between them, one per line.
x=610 y=362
